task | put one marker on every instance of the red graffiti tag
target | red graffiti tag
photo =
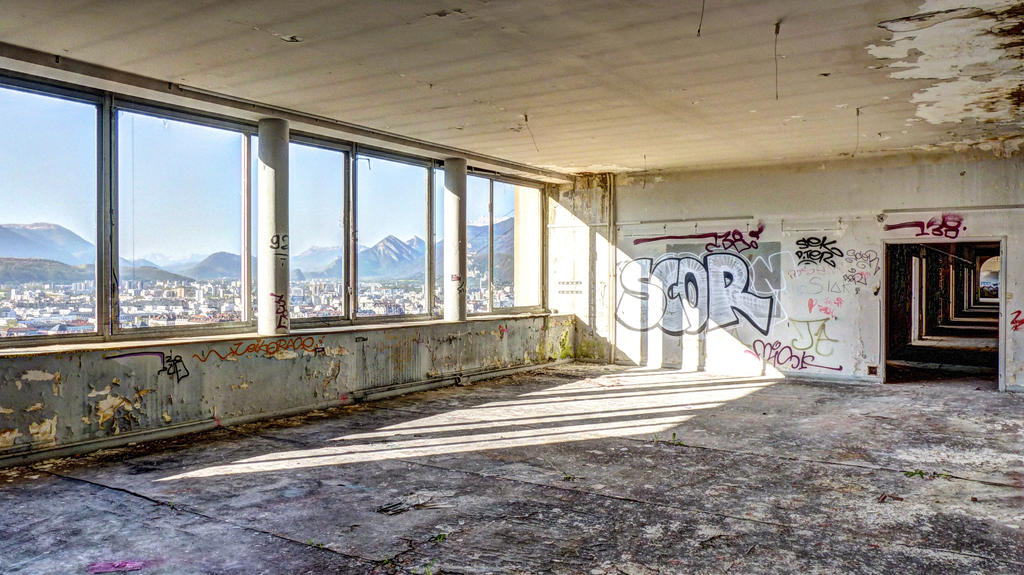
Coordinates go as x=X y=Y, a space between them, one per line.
x=1017 y=322
x=946 y=225
x=732 y=239
x=266 y=348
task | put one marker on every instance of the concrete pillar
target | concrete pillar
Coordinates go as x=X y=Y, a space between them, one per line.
x=272 y=252
x=455 y=239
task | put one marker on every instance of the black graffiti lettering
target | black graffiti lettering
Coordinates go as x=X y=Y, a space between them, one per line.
x=279 y=242
x=174 y=367
x=817 y=250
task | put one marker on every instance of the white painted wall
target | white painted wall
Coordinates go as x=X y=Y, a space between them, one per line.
x=830 y=312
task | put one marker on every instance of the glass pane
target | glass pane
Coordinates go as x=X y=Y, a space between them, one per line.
x=179 y=216
x=504 y=244
x=316 y=194
x=478 y=244
x=48 y=220
x=391 y=200
x=438 y=242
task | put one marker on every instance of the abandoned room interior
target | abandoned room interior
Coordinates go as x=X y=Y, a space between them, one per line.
x=511 y=287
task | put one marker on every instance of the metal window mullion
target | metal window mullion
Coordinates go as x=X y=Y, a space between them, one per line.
x=348 y=240
x=429 y=242
x=352 y=236
x=106 y=221
x=246 y=287
x=490 y=245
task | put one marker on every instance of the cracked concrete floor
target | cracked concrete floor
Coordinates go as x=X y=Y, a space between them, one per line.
x=570 y=469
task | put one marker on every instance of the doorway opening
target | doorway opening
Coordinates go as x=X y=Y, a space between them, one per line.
x=942 y=312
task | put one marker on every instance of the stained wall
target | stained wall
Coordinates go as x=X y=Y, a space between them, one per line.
x=780 y=269
x=67 y=400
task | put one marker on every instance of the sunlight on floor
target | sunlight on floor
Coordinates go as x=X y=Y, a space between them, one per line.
x=639 y=402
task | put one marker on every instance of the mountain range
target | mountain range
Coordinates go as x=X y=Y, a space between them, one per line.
x=50 y=252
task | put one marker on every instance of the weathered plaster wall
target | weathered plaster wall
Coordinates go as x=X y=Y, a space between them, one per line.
x=581 y=261
x=79 y=399
x=781 y=268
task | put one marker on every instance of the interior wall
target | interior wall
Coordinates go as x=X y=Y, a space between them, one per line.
x=64 y=401
x=780 y=269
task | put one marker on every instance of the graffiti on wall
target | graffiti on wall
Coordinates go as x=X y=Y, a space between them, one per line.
x=283 y=348
x=817 y=250
x=1016 y=321
x=280 y=310
x=172 y=365
x=727 y=240
x=813 y=336
x=777 y=355
x=681 y=293
x=946 y=225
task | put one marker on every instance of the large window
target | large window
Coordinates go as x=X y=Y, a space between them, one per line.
x=391 y=227
x=178 y=194
x=48 y=217
x=503 y=236
x=478 y=244
x=316 y=229
x=179 y=217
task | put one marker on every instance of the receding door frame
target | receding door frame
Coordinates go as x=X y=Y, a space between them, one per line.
x=883 y=295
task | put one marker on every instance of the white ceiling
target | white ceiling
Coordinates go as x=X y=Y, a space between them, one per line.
x=584 y=86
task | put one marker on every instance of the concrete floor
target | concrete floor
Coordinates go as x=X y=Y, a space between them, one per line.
x=572 y=469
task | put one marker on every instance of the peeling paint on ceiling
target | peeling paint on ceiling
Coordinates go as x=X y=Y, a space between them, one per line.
x=975 y=52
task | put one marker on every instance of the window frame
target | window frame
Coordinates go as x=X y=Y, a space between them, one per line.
x=98 y=100
x=160 y=111
x=540 y=187
x=107 y=293
x=347 y=151
x=361 y=152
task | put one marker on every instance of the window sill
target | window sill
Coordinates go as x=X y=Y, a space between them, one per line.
x=248 y=334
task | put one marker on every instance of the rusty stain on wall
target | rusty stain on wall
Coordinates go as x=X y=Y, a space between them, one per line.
x=323 y=370
x=974 y=51
x=7 y=437
x=99 y=392
x=44 y=431
x=108 y=408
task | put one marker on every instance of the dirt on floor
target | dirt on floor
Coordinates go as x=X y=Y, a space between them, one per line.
x=571 y=469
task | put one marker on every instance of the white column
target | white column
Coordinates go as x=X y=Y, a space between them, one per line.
x=272 y=176
x=455 y=239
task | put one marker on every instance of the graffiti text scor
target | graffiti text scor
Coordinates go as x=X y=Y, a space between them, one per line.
x=714 y=289
x=817 y=250
x=728 y=240
x=783 y=356
x=945 y=225
x=265 y=348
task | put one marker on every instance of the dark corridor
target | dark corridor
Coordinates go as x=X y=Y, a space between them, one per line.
x=942 y=313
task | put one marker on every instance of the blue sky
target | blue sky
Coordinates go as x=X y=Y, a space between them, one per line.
x=48 y=162
x=180 y=183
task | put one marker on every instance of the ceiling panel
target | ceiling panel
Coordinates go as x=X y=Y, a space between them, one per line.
x=584 y=85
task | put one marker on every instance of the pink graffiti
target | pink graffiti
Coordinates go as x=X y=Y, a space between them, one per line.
x=1017 y=322
x=120 y=566
x=946 y=225
x=783 y=356
x=266 y=348
x=828 y=307
x=732 y=239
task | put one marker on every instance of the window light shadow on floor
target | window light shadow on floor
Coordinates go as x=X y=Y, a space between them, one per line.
x=633 y=403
